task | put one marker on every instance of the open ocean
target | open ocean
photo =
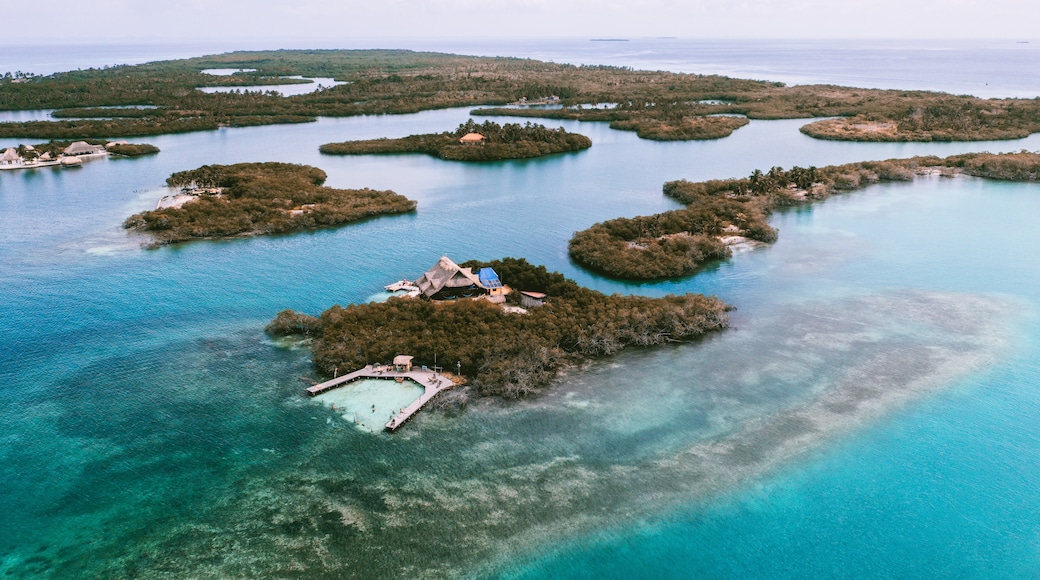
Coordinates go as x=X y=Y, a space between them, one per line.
x=873 y=412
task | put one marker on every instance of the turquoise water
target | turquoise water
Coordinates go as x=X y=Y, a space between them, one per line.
x=943 y=487
x=872 y=411
x=369 y=404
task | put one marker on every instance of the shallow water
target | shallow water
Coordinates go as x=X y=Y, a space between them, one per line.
x=872 y=408
x=369 y=404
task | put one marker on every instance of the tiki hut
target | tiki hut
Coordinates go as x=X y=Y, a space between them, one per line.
x=11 y=157
x=403 y=363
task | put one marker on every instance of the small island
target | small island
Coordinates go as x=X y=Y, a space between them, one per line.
x=944 y=122
x=506 y=326
x=247 y=199
x=655 y=123
x=488 y=141
x=722 y=215
x=124 y=149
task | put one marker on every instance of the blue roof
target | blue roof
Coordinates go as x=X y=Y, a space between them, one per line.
x=489 y=278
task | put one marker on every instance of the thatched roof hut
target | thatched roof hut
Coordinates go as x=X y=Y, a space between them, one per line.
x=403 y=363
x=472 y=139
x=83 y=148
x=10 y=156
x=447 y=281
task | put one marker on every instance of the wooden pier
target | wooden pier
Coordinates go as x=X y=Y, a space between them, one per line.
x=431 y=382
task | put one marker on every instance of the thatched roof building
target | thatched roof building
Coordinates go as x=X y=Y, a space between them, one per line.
x=403 y=363
x=10 y=157
x=83 y=148
x=471 y=139
x=447 y=281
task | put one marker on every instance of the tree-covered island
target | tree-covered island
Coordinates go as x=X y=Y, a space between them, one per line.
x=132 y=149
x=487 y=141
x=723 y=213
x=161 y=98
x=659 y=124
x=503 y=354
x=245 y=199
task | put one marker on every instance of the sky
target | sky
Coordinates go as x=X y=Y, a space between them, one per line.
x=357 y=23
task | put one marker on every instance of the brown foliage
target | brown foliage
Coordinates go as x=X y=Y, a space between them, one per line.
x=511 y=141
x=507 y=355
x=678 y=242
x=261 y=198
x=658 y=104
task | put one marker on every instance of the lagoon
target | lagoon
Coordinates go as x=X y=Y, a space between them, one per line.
x=313 y=84
x=150 y=428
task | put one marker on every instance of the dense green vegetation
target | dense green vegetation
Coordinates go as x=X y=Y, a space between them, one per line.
x=511 y=141
x=658 y=105
x=260 y=198
x=678 y=242
x=506 y=355
x=132 y=149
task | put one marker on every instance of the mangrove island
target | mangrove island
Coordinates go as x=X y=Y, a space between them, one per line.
x=246 y=199
x=721 y=214
x=506 y=325
x=663 y=124
x=488 y=141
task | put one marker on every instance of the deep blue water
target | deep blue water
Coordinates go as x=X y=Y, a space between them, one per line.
x=872 y=412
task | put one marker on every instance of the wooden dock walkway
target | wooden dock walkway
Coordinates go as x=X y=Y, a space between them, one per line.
x=431 y=382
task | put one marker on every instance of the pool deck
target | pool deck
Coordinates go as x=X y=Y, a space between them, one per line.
x=431 y=382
